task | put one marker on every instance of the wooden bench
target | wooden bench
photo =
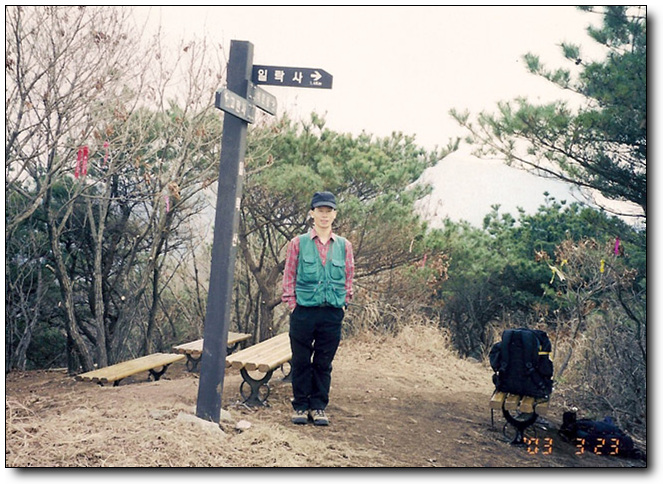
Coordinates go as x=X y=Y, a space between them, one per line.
x=264 y=357
x=115 y=373
x=194 y=349
x=520 y=411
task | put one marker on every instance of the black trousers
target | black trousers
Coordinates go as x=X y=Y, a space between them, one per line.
x=315 y=333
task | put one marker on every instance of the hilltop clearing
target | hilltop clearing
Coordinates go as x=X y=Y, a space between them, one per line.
x=404 y=401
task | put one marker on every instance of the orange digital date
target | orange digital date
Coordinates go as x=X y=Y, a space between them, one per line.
x=544 y=446
x=535 y=445
x=602 y=446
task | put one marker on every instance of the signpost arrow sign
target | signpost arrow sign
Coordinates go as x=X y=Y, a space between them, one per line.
x=235 y=104
x=262 y=99
x=292 y=76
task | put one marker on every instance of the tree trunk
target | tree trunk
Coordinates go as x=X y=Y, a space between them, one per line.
x=67 y=291
x=148 y=344
x=66 y=287
x=31 y=318
x=97 y=230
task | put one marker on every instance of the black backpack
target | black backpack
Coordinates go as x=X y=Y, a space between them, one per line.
x=599 y=437
x=522 y=364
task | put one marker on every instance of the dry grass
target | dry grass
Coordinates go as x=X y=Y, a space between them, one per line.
x=83 y=425
x=136 y=433
x=419 y=354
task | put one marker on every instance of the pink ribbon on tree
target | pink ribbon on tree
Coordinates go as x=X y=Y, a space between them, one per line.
x=617 y=246
x=106 y=145
x=84 y=161
x=81 y=162
x=77 y=170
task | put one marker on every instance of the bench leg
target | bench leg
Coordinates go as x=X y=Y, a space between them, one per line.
x=287 y=377
x=115 y=383
x=192 y=363
x=520 y=422
x=158 y=374
x=259 y=389
x=231 y=349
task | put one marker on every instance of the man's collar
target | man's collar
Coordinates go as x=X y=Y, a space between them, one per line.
x=314 y=234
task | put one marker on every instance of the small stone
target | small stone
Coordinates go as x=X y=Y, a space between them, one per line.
x=205 y=425
x=224 y=416
x=243 y=425
x=158 y=414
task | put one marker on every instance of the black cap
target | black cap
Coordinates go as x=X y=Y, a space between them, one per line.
x=323 y=199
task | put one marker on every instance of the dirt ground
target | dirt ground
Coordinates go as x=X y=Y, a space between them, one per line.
x=395 y=402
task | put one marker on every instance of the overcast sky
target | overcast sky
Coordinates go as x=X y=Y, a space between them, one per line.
x=400 y=68
x=394 y=68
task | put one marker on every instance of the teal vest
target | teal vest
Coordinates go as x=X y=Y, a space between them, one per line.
x=316 y=284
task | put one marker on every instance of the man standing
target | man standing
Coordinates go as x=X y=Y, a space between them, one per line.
x=317 y=287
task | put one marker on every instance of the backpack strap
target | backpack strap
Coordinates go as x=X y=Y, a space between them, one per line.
x=530 y=344
x=533 y=351
x=504 y=349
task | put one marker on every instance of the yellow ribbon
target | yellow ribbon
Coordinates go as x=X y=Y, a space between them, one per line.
x=559 y=273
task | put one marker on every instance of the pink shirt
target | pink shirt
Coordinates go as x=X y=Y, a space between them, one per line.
x=292 y=260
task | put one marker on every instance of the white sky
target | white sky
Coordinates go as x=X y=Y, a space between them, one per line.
x=394 y=68
x=403 y=69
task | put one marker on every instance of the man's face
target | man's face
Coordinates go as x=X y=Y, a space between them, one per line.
x=323 y=216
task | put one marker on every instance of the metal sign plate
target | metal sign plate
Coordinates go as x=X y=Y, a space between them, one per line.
x=292 y=76
x=262 y=99
x=235 y=104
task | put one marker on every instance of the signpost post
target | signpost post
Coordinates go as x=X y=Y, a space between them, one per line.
x=239 y=101
x=224 y=246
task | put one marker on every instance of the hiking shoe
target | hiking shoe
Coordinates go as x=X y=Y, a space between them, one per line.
x=319 y=417
x=299 y=417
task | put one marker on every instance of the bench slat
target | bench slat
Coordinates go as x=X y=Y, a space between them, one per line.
x=527 y=405
x=276 y=362
x=261 y=358
x=266 y=350
x=195 y=348
x=265 y=358
x=258 y=347
x=192 y=347
x=130 y=367
x=541 y=407
x=530 y=404
x=263 y=353
x=237 y=337
x=497 y=400
x=511 y=401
